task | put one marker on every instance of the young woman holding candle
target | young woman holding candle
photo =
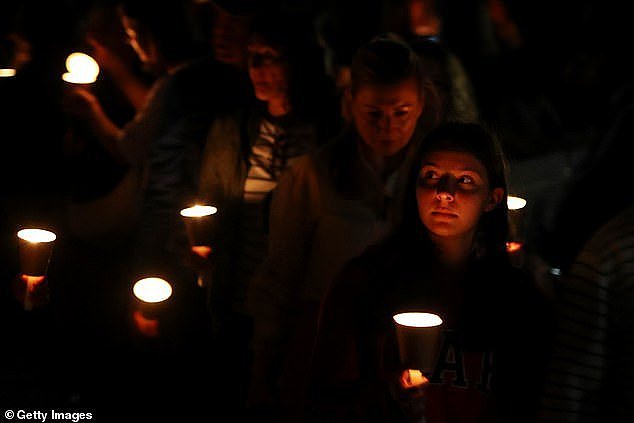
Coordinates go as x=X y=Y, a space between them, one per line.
x=448 y=256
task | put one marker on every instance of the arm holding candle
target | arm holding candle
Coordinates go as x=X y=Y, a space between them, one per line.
x=135 y=88
x=80 y=103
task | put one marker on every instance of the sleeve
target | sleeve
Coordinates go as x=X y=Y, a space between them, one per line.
x=578 y=362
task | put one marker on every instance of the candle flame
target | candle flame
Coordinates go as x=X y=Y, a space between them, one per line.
x=36 y=235
x=515 y=203
x=198 y=211
x=82 y=69
x=152 y=290
x=417 y=319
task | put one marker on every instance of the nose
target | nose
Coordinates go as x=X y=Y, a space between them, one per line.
x=445 y=190
x=384 y=123
x=444 y=196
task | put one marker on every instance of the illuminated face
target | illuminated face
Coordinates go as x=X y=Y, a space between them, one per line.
x=386 y=115
x=268 y=72
x=453 y=192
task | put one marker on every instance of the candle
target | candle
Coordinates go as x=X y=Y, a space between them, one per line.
x=198 y=226
x=82 y=69
x=151 y=294
x=35 y=247
x=418 y=335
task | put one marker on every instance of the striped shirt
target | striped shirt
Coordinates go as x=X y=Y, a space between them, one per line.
x=270 y=155
x=591 y=374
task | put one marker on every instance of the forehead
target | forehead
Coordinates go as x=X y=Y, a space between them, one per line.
x=378 y=94
x=452 y=160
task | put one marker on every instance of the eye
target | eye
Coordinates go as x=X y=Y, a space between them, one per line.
x=401 y=112
x=429 y=175
x=466 y=179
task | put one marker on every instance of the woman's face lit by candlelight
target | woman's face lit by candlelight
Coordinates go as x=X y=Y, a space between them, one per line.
x=268 y=71
x=453 y=192
x=385 y=116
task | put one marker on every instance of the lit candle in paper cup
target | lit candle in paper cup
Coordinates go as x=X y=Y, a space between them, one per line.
x=152 y=295
x=515 y=243
x=152 y=292
x=197 y=221
x=82 y=69
x=35 y=248
x=418 y=335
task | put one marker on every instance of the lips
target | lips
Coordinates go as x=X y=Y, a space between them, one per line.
x=447 y=214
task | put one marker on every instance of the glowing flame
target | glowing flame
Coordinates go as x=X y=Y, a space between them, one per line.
x=152 y=290
x=418 y=320
x=198 y=211
x=513 y=246
x=515 y=203
x=36 y=235
x=7 y=72
x=82 y=69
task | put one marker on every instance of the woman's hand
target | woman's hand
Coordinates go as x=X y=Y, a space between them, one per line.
x=79 y=102
x=409 y=393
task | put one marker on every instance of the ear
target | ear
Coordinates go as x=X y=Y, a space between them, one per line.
x=495 y=197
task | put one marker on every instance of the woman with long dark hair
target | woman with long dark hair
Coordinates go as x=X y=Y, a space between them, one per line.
x=449 y=257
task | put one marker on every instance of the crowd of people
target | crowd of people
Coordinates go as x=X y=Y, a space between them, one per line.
x=358 y=155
